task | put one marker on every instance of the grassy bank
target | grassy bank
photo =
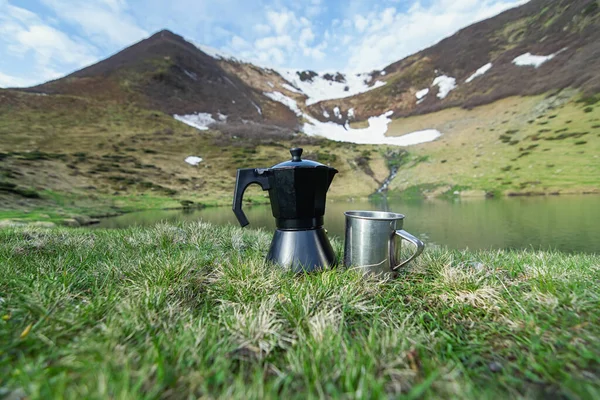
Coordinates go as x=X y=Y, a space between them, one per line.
x=515 y=146
x=191 y=310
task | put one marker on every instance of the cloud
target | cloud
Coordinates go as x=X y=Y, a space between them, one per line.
x=35 y=51
x=7 y=81
x=101 y=20
x=314 y=52
x=388 y=36
x=270 y=42
x=315 y=8
x=306 y=36
x=50 y=44
x=282 y=21
x=239 y=43
x=262 y=29
x=361 y=23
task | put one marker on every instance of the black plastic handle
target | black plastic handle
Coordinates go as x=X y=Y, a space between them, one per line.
x=246 y=177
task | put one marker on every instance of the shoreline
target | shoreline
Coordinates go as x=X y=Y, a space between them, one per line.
x=84 y=220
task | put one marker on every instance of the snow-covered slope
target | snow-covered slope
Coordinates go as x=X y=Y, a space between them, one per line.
x=316 y=86
x=328 y=86
x=373 y=134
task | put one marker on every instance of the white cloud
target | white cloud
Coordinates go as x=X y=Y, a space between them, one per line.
x=262 y=29
x=282 y=21
x=115 y=5
x=272 y=56
x=7 y=81
x=273 y=42
x=34 y=51
x=314 y=53
x=360 y=23
x=101 y=20
x=306 y=36
x=49 y=43
x=315 y=8
x=238 y=43
x=390 y=36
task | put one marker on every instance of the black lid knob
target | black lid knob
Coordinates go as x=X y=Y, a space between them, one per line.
x=296 y=153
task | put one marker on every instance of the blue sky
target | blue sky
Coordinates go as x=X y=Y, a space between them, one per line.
x=46 y=39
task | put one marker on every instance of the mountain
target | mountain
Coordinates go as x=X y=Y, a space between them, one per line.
x=540 y=46
x=556 y=43
x=169 y=74
x=507 y=106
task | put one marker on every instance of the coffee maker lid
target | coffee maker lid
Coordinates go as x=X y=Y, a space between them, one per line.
x=298 y=162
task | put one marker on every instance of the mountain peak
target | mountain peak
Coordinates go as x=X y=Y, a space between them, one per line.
x=166 y=34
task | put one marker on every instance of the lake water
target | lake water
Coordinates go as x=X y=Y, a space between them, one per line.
x=566 y=223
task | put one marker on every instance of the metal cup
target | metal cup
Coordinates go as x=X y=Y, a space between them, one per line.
x=370 y=243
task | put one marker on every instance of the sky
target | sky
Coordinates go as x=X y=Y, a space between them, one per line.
x=42 y=40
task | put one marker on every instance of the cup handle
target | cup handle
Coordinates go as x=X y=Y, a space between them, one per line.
x=407 y=236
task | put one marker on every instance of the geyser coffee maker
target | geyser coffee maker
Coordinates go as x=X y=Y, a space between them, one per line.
x=297 y=190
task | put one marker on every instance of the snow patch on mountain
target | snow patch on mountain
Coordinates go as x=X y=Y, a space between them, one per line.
x=337 y=113
x=422 y=93
x=445 y=84
x=351 y=113
x=481 y=71
x=200 y=121
x=325 y=114
x=373 y=134
x=530 y=60
x=193 y=160
x=319 y=89
x=283 y=99
x=192 y=75
x=291 y=88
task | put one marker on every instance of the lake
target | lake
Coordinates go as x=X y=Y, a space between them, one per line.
x=565 y=223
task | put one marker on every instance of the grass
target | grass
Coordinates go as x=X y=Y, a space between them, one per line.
x=78 y=148
x=478 y=145
x=185 y=311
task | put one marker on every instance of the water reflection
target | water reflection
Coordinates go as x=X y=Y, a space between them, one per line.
x=567 y=223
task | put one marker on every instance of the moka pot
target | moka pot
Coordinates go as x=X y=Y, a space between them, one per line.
x=297 y=191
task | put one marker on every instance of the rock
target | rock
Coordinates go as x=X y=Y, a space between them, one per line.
x=495 y=366
x=8 y=223
x=84 y=220
x=472 y=193
x=70 y=222
x=43 y=224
